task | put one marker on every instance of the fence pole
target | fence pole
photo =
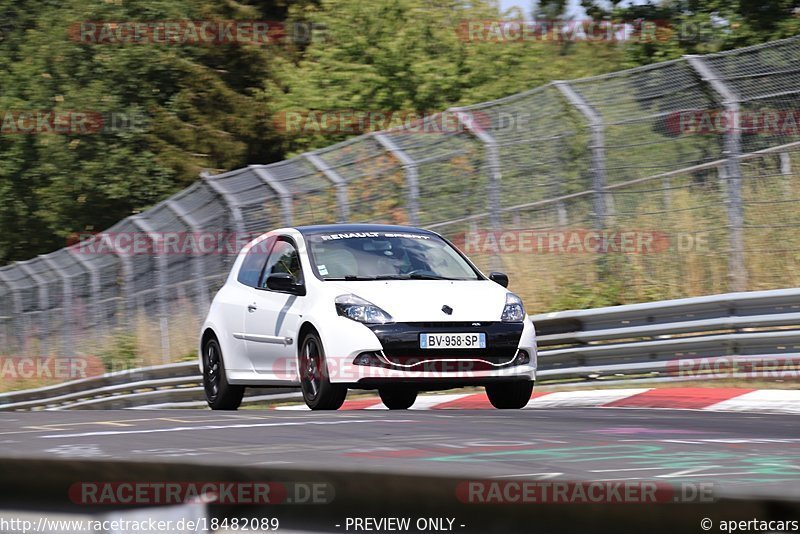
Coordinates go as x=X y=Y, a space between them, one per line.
x=66 y=306
x=284 y=194
x=786 y=164
x=17 y=319
x=198 y=270
x=597 y=148
x=597 y=167
x=494 y=174
x=93 y=306
x=6 y=321
x=412 y=175
x=785 y=160
x=338 y=182
x=236 y=219
x=161 y=283
x=737 y=271
x=560 y=207
x=43 y=299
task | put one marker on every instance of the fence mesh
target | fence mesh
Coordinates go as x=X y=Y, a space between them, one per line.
x=670 y=180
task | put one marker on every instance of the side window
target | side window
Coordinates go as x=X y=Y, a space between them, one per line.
x=254 y=262
x=283 y=259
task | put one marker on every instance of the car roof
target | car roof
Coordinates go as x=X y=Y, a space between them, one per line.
x=342 y=228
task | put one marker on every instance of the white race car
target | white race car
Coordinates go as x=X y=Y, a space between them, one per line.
x=392 y=308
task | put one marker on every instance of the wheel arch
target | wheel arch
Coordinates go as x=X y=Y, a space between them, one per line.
x=207 y=334
x=305 y=329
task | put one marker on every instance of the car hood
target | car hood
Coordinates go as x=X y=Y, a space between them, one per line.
x=422 y=300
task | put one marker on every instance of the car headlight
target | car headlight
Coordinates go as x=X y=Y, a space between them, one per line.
x=514 y=311
x=355 y=308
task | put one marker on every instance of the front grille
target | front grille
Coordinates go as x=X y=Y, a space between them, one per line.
x=400 y=343
x=453 y=324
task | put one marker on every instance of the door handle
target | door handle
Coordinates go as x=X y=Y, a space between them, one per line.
x=251 y=308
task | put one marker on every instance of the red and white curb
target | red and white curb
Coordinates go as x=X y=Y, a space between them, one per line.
x=708 y=399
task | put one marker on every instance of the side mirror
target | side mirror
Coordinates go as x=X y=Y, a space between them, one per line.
x=499 y=278
x=285 y=282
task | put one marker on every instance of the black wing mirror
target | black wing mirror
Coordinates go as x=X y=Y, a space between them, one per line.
x=285 y=282
x=500 y=278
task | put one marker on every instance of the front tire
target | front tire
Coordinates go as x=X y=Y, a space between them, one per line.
x=398 y=398
x=220 y=395
x=509 y=395
x=318 y=392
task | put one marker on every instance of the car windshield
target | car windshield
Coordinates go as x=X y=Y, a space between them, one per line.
x=386 y=256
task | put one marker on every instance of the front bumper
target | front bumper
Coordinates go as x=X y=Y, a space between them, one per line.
x=399 y=358
x=401 y=345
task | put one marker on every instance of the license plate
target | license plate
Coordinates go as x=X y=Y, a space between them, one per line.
x=452 y=341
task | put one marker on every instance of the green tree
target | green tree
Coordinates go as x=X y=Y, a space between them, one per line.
x=414 y=55
x=198 y=102
x=702 y=26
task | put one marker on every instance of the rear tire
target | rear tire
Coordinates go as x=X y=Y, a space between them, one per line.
x=398 y=398
x=318 y=392
x=220 y=395
x=509 y=395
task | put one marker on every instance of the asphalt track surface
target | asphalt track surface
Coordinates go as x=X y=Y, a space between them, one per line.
x=751 y=454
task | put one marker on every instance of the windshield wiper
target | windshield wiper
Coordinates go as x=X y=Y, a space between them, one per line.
x=413 y=276
x=350 y=278
x=422 y=276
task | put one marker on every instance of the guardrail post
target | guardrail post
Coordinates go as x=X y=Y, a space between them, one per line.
x=161 y=277
x=284 y=194
x=412 y=175
x=66 y=304
x=198 y=271
x=737 y=271
x=493 y=169
x=338 y=182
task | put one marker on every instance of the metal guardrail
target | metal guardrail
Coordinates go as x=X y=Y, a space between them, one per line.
x=177 y=385
x=757 y=330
